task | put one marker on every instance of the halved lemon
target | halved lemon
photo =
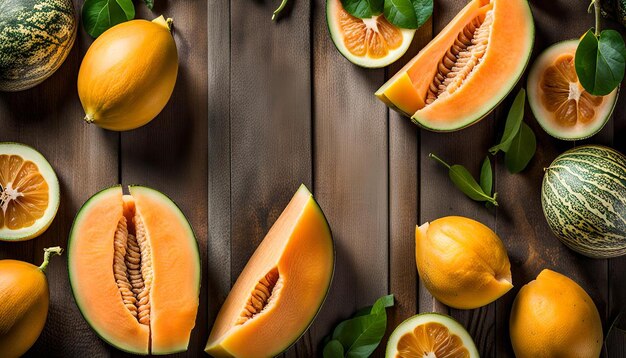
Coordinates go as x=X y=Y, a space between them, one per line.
x=370 y=43
x=29 y=192
x=559 y=102
x=430 y=335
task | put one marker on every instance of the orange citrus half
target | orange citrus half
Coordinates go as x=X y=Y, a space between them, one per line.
x=29 y=192
x=372 y=42
x=559 y=102
x=430 y=335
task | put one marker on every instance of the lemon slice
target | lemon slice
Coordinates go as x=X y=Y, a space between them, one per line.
x=559 y=102
x=29 y=192
x=430 y=335
x=372 y=42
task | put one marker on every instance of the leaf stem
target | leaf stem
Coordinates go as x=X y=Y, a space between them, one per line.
x=493 y=199
x=48 y=252
x=598 y=11
x=433 y=156
x=279 y=9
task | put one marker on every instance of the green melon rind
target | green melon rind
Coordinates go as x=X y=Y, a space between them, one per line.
x=463 y=123
x=409 y=325
x=537 y=108
x=83 y=209
x=28 y=153
x=583 y=196
x=35 y=38
x=407 y=35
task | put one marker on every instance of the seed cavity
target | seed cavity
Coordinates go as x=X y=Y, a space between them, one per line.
x=132 y=267
x=462 y=59
x=262 y=296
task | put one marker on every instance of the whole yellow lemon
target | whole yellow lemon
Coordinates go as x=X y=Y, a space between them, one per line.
x=553 y=316
x=462 y=262
x=128 y=74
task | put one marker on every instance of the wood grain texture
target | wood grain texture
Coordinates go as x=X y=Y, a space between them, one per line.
x=218 y=264
x=270 y=116
x=404 y=198
x=351 y=175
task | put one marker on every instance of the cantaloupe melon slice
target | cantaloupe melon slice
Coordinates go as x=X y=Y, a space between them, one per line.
x=282 y=287
x=134 y=269
x=470 y=67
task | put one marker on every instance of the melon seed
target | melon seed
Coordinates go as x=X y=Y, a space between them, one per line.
x=462 y=58
x=132 y=267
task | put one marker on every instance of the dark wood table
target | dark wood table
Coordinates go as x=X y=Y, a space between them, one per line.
x=261 y=107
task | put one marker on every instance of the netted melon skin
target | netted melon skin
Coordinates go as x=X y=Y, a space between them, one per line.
x=36 y=37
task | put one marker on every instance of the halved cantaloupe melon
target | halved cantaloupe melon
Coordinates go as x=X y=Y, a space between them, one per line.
x=282 y=287
x=468 y=69
x=134 y=269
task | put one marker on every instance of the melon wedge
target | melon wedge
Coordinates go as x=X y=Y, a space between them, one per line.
x=468 y=69
x=281 y=289
x=134 y=269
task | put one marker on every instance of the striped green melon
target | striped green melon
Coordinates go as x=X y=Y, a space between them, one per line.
x=584 y=200
x=35 y=38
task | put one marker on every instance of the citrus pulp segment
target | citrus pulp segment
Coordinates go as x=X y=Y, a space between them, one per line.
x=430 y=335
x=372 y=42
x=29 y=192
x=559 y=102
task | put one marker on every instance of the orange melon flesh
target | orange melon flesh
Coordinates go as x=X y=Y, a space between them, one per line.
x=175 y=263
x=299 y=249
x=508 y=50
x=176 y=268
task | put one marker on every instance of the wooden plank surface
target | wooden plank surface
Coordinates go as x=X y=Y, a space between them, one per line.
x=270 y=116
x=261 y=107
x=350 y=175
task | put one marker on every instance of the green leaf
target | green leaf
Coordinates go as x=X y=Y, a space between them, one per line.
x=360 y=335
x=408 y=14
x=363 y=9
x=100 y=15
x=522 y=150
x=513 y=122
x=601 y=62
x=333 y=349
x=423 y=11
x=465 y=182
x=149 y=4
x=486 y=176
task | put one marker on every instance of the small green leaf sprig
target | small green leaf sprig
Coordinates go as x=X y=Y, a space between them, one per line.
x=518 y=141
x=406 y=14
x=100 y=15
x=360 y=335
x=600 y=57
x=519 y=145
x=463 y=179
